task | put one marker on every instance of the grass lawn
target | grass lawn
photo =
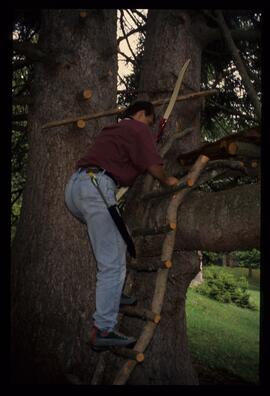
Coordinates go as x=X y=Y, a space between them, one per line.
x=224 y=338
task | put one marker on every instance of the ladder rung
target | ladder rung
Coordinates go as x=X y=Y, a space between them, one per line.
x=141 y=313
x=154 y=231
x=128 y=353
x=152 y=267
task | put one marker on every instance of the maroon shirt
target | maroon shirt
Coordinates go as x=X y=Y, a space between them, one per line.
x=125 y=150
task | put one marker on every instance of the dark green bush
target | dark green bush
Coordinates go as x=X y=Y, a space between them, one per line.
x=225 y=287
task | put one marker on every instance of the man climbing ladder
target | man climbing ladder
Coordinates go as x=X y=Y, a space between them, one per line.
x=120 y=153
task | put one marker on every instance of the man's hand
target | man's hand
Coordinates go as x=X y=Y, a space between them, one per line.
x=158 y=172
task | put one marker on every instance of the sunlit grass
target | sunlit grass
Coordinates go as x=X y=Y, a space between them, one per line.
x=224 y=336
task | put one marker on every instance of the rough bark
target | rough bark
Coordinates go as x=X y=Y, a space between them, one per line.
x=233 y=220
x=53 y=269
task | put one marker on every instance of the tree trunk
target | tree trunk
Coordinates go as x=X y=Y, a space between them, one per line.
x=199 y=277
x=250 y=271
x=167 y=359
x=227 y=260
x=53 y=269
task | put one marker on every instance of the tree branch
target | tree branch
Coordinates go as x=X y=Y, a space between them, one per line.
x=18 y=192
x=214 y=34
x=175 y=136
x=232 y=111
x=19 y=117
x=30 y=50
x=139 y=29
x=19 y=128
x=22 y=100
x=193 y=95
x=238 y=230
x=239 y=63
x=144 y=18
x=122 y=82
x=128 y=59
x=125 y=35
x=136 y=21
x=214 y=221
x=19 y=64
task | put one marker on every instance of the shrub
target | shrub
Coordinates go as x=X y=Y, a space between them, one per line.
x=225 y=287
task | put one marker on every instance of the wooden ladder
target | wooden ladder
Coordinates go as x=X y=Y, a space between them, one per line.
x=152 y=315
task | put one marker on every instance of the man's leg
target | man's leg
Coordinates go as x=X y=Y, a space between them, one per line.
x=108 y=246
x=110 y=253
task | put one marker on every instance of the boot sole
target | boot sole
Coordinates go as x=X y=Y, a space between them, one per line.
x=101 y=348
x=133 y=303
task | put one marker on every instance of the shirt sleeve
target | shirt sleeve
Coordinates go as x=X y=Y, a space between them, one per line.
x=143 y=152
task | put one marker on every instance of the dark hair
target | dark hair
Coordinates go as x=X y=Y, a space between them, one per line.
x=140 y=105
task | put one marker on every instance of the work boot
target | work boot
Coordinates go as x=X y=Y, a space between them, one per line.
x=127 y=300
x=102 y=340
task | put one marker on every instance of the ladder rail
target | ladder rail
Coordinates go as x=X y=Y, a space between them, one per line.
x=162 y=274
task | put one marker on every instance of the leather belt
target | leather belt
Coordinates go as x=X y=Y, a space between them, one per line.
x=96 y=169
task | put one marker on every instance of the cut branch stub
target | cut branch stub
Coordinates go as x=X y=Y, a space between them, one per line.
x=81 y=124
x=167 y=264
x=244 y=149
x=83 y=14
x=86 y=94
x=254 y=164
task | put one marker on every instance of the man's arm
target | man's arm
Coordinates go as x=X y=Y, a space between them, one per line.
x=158 y=172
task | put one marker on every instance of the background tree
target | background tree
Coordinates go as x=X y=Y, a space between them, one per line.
x=53 y=271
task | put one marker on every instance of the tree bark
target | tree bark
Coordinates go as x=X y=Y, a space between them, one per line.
x=53 y=269
x=199 y=277
x=233 y=220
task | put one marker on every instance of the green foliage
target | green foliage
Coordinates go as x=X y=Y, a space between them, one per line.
x=249 y=258
x=225 y=287
x=25 y=29
x=210 y=258
x=246 y=258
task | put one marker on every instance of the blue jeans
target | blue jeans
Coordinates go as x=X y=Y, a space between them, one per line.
x=85 y=203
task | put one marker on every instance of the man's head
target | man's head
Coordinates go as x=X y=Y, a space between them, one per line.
x=141 y=111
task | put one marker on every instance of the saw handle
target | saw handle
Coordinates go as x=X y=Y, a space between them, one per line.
x=162 y=124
